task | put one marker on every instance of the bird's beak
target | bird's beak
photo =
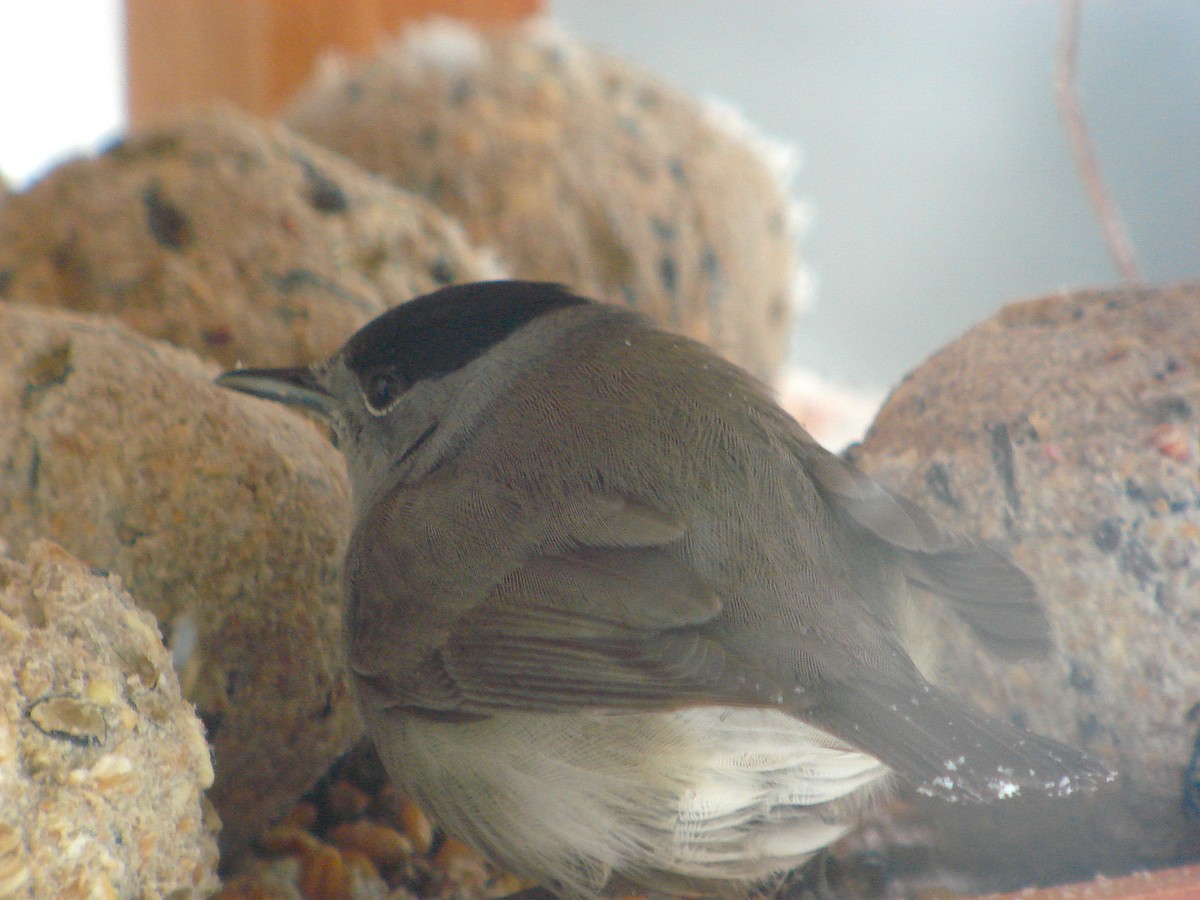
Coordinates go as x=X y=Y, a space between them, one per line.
x=294 y=387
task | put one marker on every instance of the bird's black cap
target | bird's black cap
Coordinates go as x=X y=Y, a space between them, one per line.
x=441 y=332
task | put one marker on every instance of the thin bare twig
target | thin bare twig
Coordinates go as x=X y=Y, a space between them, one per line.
x=1066 y=93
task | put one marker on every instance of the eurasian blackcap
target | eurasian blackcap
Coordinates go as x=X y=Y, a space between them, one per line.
x=615 y=619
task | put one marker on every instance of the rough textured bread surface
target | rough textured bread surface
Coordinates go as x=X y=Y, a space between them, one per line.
x=225 y=516
x=230 y=236
x=1067 y=428
x=577 y=167
x=102 y=761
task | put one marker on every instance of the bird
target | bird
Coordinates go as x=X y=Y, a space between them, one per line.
x=615 y=619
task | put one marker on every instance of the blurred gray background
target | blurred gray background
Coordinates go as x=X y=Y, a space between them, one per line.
x=932 y=152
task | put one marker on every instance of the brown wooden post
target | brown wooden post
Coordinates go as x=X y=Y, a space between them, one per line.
x=256 y=53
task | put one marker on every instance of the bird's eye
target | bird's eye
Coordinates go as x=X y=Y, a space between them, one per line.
x=381 y=390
